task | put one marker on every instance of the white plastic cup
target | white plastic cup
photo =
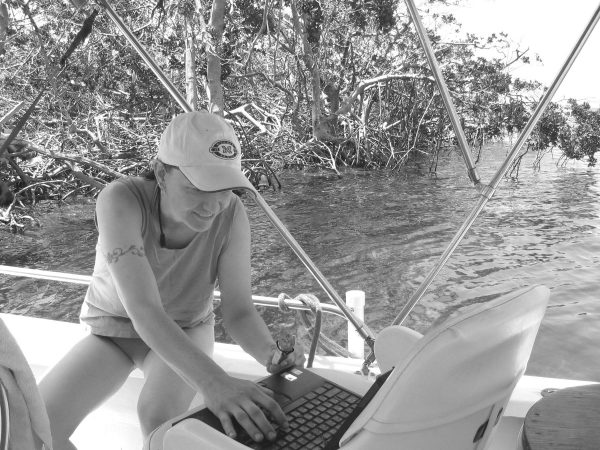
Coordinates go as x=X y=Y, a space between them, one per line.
x=355 y=300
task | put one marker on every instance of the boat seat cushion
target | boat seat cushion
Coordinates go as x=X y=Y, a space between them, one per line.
x=393 y=344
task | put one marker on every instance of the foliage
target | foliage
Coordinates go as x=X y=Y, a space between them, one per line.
x=347 y=83
x=379 y=13
x=578 y=137
x=551 y=125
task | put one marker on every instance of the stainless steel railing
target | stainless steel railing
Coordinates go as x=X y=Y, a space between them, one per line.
x=64 y=277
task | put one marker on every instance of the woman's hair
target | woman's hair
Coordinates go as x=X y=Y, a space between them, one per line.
x=150 y=175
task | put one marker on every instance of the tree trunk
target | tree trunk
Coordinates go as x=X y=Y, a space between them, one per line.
x=3 y=26
x=191 y=86
x=319 y=131
x=214 y=88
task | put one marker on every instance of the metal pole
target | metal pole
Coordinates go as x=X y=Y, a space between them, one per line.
x=45 y=275
x=259 y=300
x=167 y=83
x=361 y=328
x=11 y=113
x=439 y=79
x=488 y=191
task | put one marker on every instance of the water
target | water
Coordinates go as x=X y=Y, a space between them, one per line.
x=382 y=233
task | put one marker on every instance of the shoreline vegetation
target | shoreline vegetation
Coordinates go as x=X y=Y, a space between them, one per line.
x=306 y=83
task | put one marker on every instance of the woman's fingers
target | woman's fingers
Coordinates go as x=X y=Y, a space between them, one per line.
x=298 y=355
x=243 y=419
x=227 y=425
x=272 y=408
x=259 y=419
x=296 y=358
x=250 y=409
x=253 y=421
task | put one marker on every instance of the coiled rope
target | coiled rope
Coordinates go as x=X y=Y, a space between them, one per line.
x=313 y=329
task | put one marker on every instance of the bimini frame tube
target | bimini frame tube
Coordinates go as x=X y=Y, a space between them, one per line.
x=360 y=326
x=488 y=191
x=445 y=93
x=166 y=82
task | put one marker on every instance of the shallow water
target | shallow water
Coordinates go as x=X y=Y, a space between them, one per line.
x=382 y=233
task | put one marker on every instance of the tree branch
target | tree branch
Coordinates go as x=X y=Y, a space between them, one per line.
x=258 y=34
x=74 y=158
x=3 y=26
x=517 y=58
x=273 y=83
x=363 y=85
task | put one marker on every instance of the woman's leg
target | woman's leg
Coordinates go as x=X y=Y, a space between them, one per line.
x=165 y=394
x=87 y=375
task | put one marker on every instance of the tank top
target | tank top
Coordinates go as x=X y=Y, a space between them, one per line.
x=186 y=277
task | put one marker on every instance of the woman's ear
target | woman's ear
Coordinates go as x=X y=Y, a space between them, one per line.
x=160 y=172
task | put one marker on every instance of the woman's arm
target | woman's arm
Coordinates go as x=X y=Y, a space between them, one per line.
x=119 y=224
x=240 y=317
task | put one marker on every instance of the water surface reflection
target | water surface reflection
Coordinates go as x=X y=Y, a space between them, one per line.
x=382 y=233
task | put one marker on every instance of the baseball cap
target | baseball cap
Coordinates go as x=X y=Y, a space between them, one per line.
x=206 y=150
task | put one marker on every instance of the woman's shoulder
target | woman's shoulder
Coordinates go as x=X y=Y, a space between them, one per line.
x=237 y=208
x=239 y=223
x=124 y=191
x=124 y=185
x=120 y=202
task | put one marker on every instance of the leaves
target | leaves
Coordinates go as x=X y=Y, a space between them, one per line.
x=579 y=135
x=365 y=97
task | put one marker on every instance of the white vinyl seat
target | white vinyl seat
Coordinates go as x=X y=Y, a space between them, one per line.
x=449 y=389
x=4 y=418
x=24 y=422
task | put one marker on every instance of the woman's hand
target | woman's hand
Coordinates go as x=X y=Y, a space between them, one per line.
x=280 y=360
x=231 y=398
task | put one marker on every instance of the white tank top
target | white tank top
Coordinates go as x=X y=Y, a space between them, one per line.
x=186 y=277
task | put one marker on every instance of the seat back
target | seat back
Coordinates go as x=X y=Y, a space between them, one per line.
x=452 y=388
x=4 y=418
x=23 y=418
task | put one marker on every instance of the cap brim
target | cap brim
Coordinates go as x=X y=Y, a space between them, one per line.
x=216 y=178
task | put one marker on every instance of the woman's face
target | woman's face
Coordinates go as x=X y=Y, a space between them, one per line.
x=189 y=205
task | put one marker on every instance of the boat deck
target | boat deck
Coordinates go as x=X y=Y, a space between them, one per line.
x=114 y=425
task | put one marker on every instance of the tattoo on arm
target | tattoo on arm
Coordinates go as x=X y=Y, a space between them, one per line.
x=113 y=257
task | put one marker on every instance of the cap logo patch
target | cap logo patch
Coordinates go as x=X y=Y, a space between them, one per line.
x=224 y=150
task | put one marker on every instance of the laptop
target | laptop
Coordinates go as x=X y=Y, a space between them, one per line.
x=319 y=411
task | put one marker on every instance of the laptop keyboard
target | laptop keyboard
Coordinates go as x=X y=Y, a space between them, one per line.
x=313 y=418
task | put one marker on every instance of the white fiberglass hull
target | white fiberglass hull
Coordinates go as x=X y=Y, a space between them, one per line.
x=114 y=425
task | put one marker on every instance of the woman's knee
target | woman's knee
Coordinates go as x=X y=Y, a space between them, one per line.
x=165 y=394
x=153 y=411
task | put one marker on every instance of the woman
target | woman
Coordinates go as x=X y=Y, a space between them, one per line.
x=163 y=242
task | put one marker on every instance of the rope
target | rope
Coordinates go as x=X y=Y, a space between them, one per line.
x=281 y=298
x=326 y=343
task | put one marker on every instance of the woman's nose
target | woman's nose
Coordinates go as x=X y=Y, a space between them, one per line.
x=211 y=207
